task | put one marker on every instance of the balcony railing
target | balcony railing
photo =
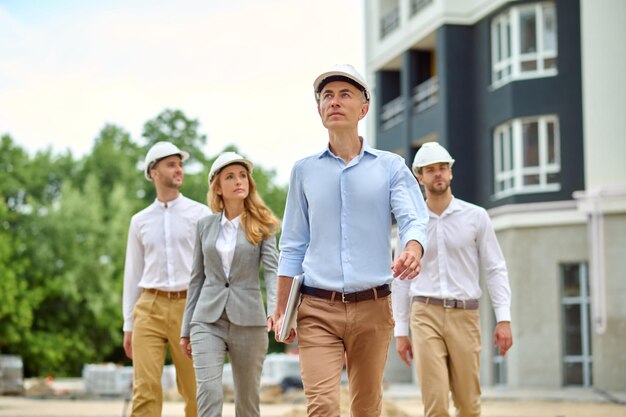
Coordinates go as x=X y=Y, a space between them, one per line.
x=426 y=94
x=418 y=5
x=392 y=113
x=389 y=22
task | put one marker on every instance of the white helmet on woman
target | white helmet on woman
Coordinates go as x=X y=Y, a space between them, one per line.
x=228 y=158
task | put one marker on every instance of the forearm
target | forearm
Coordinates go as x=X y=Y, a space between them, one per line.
x=282 y=294
x=416 y=247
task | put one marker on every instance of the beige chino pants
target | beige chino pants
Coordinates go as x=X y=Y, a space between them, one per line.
x=157 y=322
x=331 y=332
x=446 y=348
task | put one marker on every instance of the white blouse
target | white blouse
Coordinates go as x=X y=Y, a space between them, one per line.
x=226 y=242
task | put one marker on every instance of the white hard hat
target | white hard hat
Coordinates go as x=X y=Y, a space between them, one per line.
x=159 y=151
x=431 y=153
x=341 y=72
x=228 y=158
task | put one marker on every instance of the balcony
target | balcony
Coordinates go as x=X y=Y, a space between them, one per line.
x=392 y=113
x=425 y=95
x=389 y=22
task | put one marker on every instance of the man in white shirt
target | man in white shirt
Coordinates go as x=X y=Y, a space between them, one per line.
x=156 y=276
x=441 y=305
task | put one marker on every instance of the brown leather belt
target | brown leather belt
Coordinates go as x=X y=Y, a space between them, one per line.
x=448 y=302
x=167 y=294
x=353 y=297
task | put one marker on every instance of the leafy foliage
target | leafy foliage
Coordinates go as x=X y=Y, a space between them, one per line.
x=63 y=228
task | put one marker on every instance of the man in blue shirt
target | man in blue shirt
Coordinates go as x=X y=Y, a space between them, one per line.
x=336 y=231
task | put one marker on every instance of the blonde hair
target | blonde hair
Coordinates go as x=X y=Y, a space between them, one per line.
x=257 y=219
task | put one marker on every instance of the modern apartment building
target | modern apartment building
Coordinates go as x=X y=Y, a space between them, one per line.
x=530 y=98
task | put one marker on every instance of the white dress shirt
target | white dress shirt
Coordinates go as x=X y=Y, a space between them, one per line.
x=461 y=242
x=159 y=252
x=226 y=241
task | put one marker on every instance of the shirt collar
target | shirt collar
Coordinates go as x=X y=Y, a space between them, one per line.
x=452 y=207
x=234 y=222
x=171 y=203
x=365 y=148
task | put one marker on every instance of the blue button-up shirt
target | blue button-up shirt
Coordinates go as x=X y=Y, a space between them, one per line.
x=337 y=222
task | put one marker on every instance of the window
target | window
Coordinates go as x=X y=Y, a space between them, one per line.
x=526 y=156
x=575 y=310
x=524 y=43
x=390 y=17
x=418 y=5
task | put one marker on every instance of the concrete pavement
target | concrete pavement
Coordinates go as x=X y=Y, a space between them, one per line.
x=497 y=402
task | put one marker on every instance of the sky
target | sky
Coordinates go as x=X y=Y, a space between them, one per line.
x=243 y=68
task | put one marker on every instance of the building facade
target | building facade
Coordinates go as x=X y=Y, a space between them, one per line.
x=529 y=97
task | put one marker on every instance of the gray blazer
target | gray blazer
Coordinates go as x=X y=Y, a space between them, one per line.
x=210 y=292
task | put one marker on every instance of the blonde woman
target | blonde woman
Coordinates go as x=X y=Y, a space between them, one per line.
x=224 y=310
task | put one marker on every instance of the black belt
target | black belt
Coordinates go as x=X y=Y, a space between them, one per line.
x=353 y=297
x=448 y=302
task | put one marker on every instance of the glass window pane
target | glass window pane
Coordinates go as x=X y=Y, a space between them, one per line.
x=549 y=28
x=502 y=155
x=531 y=179
x=507 y=51
x=588 y=308
x=510 y=148
x=573 y=374
x=571 y=280
x=530 y=140
x=529 y=66
x=553 y=178
x=499 y=36
x=528 y=31
x=549 y=63
x=573 y=336
x=551 y=143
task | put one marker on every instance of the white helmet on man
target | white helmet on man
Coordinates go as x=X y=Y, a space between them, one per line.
x=159 y=151
x=431 y=153
x=341 y=72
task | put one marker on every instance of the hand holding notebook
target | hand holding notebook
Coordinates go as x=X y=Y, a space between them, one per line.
x=290 y=315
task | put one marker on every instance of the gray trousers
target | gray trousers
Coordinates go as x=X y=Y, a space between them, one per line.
x=246 y=345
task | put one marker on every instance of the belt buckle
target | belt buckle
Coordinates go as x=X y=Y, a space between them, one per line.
x=451 y=305
x=343 y=298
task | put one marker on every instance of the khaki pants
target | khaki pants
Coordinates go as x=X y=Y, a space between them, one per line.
x=330 y=333
x=157 y=322
x=446 y=347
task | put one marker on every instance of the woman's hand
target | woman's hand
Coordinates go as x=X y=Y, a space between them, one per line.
x=185 y=346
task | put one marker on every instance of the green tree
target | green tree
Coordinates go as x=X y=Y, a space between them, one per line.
x=16 y=313
x=21 y=190
x=114 y=159
x=73 y=323
x=174 y=126
x=63 y=231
